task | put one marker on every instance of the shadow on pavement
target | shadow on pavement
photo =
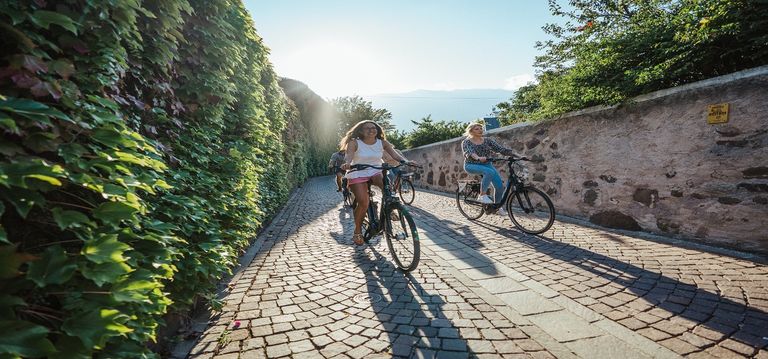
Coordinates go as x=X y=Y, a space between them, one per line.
x=446 y=225
x=398 y=299
x=721 y=317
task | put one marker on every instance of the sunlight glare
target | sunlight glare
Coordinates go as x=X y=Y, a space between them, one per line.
x=332 y=68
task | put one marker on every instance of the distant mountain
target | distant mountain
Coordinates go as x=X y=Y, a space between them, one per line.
x=460 y=105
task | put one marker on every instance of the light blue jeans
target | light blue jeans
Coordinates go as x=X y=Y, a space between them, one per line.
x=490 y=176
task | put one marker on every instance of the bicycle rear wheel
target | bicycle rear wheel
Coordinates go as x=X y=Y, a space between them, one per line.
x=402 y=237
x=466 y=200
x=348 y=197
x=531 y=210
x=406 y=191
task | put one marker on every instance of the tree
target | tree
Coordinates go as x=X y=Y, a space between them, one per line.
x=352 y=110
x=521 y=107
x=397 y=138
x=428 y=131
x=611 y=50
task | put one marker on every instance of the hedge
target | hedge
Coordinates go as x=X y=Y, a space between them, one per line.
x=144 y=144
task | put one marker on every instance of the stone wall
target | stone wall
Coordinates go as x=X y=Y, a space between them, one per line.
x=654 y=164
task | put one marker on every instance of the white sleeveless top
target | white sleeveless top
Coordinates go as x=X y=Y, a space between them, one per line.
x=369 y=155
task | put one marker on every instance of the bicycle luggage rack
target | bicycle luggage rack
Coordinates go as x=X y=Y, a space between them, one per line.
x=463 y=184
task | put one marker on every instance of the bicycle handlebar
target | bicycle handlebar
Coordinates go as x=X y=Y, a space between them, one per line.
x=383 y=166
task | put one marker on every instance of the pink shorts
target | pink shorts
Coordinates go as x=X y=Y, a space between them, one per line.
x=361 y=179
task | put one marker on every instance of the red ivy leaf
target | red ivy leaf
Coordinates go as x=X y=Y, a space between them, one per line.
x=63 y=67
x=25 y=80
x=8 y=71
x=43 y=89
x=81 y=47
x=32 y=63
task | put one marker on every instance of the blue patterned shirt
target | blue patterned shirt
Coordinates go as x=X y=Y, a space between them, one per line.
x=485 y=149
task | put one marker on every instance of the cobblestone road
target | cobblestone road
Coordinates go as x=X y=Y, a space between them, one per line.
x=482 y=289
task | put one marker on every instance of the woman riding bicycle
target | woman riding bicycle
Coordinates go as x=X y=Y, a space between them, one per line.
x=365 y=144
x=477 y=150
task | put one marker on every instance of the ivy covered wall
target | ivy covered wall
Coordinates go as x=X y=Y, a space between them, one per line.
x=143 y=145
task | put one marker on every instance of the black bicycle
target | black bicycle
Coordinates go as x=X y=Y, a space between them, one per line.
x=529 y=208
x=349 y=198
x=404 y=186
x=394 y=220
x=346 y=194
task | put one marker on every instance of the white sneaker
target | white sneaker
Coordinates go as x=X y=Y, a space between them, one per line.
x=484 y=199
x=502 y=212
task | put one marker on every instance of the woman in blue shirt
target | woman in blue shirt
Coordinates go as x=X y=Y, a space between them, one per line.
x=477 y=150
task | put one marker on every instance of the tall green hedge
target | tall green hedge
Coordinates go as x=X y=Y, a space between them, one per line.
x=143 y=144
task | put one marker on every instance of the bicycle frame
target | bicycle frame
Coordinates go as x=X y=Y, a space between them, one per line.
x=388 y=197
x=513 y=181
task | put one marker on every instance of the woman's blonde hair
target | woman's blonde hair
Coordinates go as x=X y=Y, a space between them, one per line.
x=468 y=131
x=356 y=132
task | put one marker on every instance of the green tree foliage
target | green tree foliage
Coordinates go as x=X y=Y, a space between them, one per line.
x=143 y=145
x=397 y=138
x=352 y=110
x=521 y=107
x=611 y=50
x=429 y=131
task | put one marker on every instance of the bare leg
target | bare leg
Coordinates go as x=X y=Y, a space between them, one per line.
x=338 y=182
x=361 y=197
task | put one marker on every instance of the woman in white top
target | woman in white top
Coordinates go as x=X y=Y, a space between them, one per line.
x=365 y=144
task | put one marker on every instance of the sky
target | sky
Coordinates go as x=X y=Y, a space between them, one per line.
x=365 y=47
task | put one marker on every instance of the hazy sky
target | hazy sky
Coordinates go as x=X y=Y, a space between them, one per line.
x=363 y=47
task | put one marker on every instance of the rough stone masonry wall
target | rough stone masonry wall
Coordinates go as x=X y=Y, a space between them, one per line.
x=654 y=164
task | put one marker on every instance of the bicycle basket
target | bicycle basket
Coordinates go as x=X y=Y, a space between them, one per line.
x=521 y=171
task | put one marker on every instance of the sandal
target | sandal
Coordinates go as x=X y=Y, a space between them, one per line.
x=357 y=238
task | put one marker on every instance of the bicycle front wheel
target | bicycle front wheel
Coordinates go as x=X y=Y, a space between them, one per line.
x=406 y=191
x=531 y=210
x=402 y=237
x=466 y=200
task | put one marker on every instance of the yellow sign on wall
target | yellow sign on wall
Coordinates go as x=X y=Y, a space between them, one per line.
x=717 y=113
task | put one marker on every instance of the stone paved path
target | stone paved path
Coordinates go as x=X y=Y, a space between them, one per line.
x=482 y=289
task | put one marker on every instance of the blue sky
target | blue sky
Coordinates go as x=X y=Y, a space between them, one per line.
x=364 y=47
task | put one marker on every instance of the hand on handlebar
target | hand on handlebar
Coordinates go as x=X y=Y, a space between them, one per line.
x=410 y=163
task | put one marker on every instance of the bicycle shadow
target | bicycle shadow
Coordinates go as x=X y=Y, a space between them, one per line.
x=685 y=309
x=425 y=222
x=413 y=319
x=347 y=221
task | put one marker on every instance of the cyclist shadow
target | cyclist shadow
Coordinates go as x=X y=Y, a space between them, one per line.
x=458 y=231
x=668 y=298
x=347 y=221
x=414 y=320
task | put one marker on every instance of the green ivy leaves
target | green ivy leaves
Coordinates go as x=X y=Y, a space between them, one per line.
x=24 y=339
x=130 y=180
x=105 y=249
x=114 y=212
x=95 y=327
x=45 y=19
x=53 y=268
